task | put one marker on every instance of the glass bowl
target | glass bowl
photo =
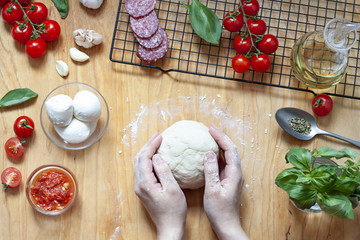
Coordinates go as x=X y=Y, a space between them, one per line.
x=71 y=89
x=45 y=169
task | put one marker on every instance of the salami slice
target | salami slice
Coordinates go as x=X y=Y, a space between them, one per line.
x=139 y=8
x=146 y=26
x=152 y=42
x=153 y=54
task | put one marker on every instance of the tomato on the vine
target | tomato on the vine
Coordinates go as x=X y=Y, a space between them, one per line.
x=251 y=8
x=260 y=63
x=37 y=12
x=11 y=12
x=2 y=2
x=24 y=127
x=52 y=30
x=242 y=46
x=21 y=31
x=240 y=63
x=322 y=105
x=268 y=44
x=11 y=177
x=14 y=147
x=35 y=48
x=256 y=27
x=233 y=22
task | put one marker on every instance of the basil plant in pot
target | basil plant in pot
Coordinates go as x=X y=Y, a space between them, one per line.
x=334 y=188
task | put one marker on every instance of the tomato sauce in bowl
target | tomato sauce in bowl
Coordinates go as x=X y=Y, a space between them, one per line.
x=51 y=189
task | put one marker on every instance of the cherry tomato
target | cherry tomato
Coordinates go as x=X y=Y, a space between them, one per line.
x=11 y=12
x=52 y=30
x=260 y=63
x=233 y=22
x=21 y=32
x=24 y=127
x=269 y=44
x=256 y=27
x=242 y=46
x=11 y=177
x=24 y=2
x=240 y=63
x=322 y=105
x=37 y=12
x=14 y=147
x=251 y=8
x=35 y=48
x=3 y=2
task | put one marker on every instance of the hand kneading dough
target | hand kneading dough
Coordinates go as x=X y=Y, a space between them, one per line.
x=183 y=147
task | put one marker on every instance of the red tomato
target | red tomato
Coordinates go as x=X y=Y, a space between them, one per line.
x=35 y=48
x=240 y=63
x=11 y=177
x=256 y=27
x=269 y=44
x=37 y=12
x=24 y=127
x=242 y=46
x=322 y=105
x=250 y=8
x=24 y=2
x=233 y=22
x=12 y=12
x=21 y=32
x=14 y=147
x=3 y=2
x=260 y=63
x=52 y=30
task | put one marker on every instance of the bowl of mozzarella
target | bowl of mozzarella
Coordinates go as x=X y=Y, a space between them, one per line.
x=74 y=116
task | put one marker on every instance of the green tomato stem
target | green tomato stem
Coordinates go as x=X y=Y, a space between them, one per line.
x=36 y=33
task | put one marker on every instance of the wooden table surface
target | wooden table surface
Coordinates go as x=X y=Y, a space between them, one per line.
x=142 y=101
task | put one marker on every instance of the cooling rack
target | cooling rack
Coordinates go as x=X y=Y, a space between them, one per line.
x=287 y=19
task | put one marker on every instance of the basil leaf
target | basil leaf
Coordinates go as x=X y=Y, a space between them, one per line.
x=204 y=21
x=336 y=204
x=62 y=6
x=287 y=181
x=304 y=204
x=300 y=158
x=324 y=176
x=329 y=152
x=17 y=96
x=347 y=186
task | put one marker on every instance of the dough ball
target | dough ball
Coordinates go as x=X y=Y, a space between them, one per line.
x=183 y=147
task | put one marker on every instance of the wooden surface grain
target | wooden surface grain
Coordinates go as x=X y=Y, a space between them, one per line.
x=142 y=101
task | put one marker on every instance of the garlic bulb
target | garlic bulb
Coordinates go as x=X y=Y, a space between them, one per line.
x=94 y=4
x=87 y=38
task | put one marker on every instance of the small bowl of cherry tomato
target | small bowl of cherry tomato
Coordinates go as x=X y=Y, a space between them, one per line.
x=51 y=189
x=68 y=118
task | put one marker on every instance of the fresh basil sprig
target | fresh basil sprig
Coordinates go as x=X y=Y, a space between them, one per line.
x=62 y=6
x=17 y=96
x=204 y=21
x=336 y=189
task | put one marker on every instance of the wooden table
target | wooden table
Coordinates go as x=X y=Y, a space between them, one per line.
x=142 y=101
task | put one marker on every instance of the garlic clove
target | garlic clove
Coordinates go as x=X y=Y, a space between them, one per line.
x=62 y=68
x=78 y=55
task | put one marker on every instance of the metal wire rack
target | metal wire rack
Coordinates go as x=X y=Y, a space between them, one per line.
x=286 y=19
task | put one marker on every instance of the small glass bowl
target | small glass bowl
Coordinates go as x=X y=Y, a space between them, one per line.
x=71 y=89
x=35 y=174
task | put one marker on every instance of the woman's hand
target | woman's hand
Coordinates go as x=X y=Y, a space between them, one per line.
x=223 y=188
x=163 y=198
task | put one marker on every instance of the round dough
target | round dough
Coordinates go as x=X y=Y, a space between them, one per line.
x=183 y=147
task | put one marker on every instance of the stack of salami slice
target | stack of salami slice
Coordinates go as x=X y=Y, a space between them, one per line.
x=153 y=40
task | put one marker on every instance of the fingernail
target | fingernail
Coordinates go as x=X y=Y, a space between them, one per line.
x=156 y=159
x=210 y=157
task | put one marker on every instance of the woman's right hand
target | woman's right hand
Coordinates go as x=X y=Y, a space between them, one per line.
x=223 y=188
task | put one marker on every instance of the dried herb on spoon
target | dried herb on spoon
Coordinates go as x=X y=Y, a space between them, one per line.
x=300 y=125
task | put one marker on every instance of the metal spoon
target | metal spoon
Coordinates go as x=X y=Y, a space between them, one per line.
x=283 y=115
